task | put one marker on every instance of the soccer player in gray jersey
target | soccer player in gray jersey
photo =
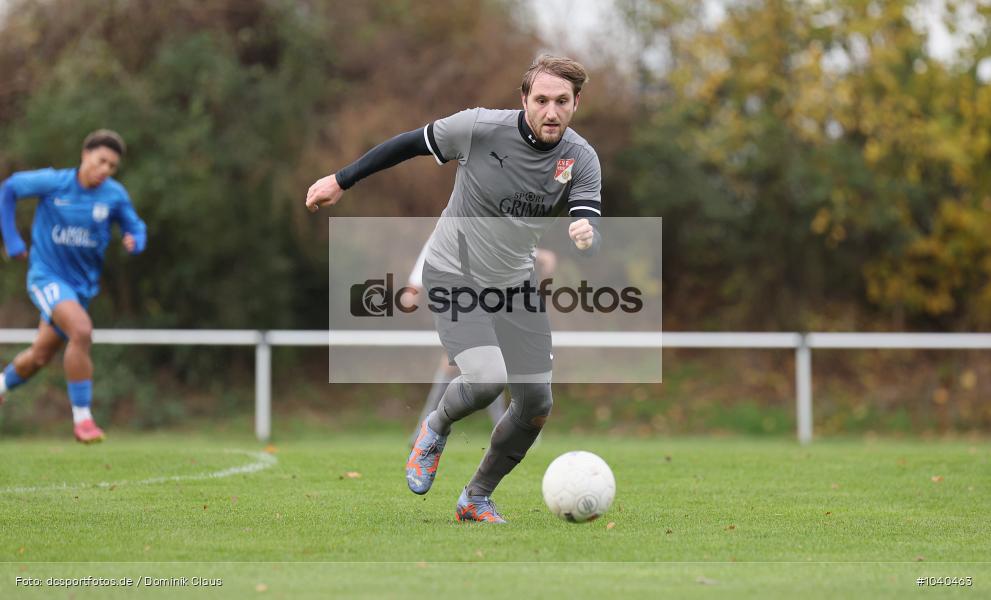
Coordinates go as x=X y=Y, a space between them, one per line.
x=517 y=169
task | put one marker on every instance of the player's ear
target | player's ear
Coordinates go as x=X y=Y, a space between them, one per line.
x=578 y=97
x=523 y=99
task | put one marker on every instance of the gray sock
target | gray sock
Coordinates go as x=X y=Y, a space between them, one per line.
x=513 y=435
x=441 y=379
x=497 y=408
x=483 y=377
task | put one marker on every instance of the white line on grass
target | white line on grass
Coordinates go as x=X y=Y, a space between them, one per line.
x=263 y=460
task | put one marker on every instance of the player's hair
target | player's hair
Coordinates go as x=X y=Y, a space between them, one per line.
x=560 y=66
x=107 y=138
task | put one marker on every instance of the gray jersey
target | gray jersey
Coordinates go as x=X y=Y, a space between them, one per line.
x=508 y=189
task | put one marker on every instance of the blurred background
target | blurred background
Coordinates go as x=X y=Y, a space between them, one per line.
x=820 y=166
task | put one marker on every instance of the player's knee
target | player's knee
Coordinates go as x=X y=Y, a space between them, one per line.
x=484 y=370
x=537 y=404
x=488 y=382
x=81 y=334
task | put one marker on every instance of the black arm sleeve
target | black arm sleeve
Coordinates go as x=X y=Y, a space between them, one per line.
x=585 y=209
x=387 y=154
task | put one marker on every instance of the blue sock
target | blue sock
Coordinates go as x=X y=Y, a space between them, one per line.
x=11 y=378
x=80 y=393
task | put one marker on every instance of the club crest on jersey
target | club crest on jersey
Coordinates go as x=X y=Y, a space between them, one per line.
x=100 y=212
x=563 y=172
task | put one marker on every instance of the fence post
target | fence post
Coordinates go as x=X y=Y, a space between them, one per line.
x=263 y=388
x=803 y=384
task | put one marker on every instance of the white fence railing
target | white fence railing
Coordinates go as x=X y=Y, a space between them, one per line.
x=263 y=341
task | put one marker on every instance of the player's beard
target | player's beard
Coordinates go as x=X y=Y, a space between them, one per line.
x=549 y=137
x=543 y=134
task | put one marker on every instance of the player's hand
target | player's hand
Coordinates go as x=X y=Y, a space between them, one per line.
x=411 y=296
x=581 y=233
x=129 y=243
x=325 y=192
x=546 y=261
x=22 y=256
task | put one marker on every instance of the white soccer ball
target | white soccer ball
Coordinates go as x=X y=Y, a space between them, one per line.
x=579 y=486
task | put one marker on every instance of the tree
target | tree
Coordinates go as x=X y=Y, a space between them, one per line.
x=818 y=163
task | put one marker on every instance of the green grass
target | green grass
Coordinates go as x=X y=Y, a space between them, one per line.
x=693 y=516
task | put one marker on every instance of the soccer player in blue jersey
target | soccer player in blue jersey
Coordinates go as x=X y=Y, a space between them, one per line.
x=515 y=169
x=71 y=231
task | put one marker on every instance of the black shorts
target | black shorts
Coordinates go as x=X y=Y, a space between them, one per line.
x=523 y=335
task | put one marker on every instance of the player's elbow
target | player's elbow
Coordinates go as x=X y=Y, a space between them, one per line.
x=13 y=188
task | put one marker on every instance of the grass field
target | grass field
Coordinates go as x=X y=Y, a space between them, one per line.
x=330 y=516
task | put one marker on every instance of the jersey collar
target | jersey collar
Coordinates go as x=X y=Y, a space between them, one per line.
x=531 y=139
x=81 y=187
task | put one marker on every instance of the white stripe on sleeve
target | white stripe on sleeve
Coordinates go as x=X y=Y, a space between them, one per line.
x=574 y=208
x=433 y=152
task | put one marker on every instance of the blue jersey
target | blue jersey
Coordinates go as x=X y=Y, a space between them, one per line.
x=71 y=224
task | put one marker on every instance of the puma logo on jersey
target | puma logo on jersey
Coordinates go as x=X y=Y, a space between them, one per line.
x=498 y=158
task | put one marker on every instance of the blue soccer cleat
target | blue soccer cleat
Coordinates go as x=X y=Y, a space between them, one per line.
x=477 y=508
x=421 y=468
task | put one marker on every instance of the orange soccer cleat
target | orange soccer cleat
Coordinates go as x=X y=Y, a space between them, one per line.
x=477 y=508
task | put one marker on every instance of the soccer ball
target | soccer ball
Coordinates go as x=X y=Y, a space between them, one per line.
x=579 y=486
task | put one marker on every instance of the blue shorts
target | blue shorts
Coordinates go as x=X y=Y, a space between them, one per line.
x=48 y=291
